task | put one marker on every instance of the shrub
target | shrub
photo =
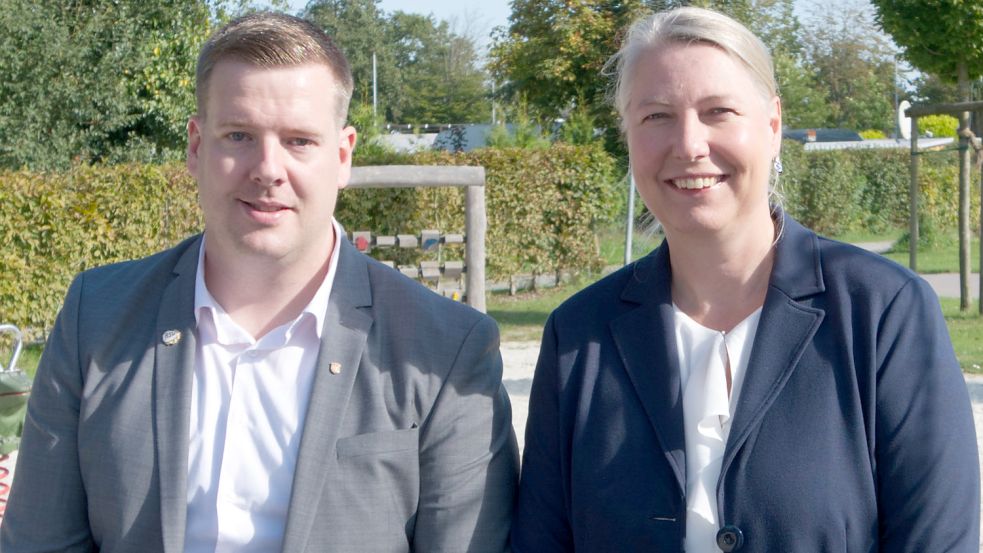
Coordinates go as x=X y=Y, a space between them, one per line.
x=872 y=134
x=938 y=125
x=541 y=207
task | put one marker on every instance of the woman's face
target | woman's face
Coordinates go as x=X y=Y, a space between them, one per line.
x=702 y=138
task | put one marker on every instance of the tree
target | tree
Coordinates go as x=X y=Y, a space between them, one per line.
x=855 y=63
x=425 y=72
x=96 y=80
x=358 y=27
x=443 y=82
x=948 y=44
x=553 y=52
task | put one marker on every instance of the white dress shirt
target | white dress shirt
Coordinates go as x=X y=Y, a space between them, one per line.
x=249 y=401
x=704 y=355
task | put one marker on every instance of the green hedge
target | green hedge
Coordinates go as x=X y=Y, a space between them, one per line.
x=541 y=208
x=53 y=225
x=848 y=190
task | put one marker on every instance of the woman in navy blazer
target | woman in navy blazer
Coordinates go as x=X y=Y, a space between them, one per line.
x=849 y=425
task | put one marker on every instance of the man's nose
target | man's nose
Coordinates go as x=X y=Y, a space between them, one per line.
x=269 y=167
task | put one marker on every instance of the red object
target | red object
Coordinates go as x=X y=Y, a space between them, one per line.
x=361 y=244
x=4 y=486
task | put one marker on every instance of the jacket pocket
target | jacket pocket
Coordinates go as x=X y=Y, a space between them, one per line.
x=378 y=443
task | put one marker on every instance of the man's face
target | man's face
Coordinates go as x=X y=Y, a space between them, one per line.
x=269 y=158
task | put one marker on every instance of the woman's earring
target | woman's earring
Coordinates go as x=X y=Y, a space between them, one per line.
x=778 y=166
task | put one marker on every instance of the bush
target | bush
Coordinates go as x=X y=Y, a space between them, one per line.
x=54 y=225
x=938 y=125
x=872 y=134
x=541 y=206
x=849 y=190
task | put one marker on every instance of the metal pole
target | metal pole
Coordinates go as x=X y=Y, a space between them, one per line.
x=493 y=103
x=630 y=224
x=897 y=120
x=374 y=90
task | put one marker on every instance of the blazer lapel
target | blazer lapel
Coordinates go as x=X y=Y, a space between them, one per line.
x=174 y=354
x=346 y=327
x=645 y=338
x=784 y=331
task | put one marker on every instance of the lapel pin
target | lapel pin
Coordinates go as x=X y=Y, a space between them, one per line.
x=171 y=337
x=335 y=368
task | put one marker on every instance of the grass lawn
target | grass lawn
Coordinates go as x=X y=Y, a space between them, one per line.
x=612 y=242
x=966 y=331
x=943 y=259
x=855 y=236
x=521 y=317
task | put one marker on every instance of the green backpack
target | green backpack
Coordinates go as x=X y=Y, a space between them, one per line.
x=15 y=386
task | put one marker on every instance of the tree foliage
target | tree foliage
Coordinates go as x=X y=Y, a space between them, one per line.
x=948 y=44
x=96 y=80
x=854 y=64
x=425 y=72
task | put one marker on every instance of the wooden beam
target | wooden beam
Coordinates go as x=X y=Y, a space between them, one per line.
x=939 y=109
x=413 y=176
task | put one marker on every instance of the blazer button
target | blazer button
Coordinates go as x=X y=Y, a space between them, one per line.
x=730 y=538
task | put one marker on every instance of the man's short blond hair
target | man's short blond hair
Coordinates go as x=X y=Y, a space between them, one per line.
x=269 y=40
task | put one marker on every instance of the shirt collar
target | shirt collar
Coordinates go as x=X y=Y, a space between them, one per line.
x=316 y=308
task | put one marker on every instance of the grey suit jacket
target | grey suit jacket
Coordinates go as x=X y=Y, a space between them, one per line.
x=409 y=448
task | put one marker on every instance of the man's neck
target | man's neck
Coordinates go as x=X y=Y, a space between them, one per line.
x=260 y=293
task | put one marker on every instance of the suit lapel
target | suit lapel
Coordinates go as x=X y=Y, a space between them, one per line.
x=173 y=370
x=346 y=327
x=645 y=338
x=784 y=331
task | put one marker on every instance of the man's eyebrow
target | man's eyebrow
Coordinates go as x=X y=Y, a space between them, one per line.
x=234 y=123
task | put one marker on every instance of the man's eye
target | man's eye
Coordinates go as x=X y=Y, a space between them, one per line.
x=301 y=142
x=655 y=116
x=237 y=136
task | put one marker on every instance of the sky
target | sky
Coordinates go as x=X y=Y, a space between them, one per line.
x=478 y=18
x=474 y=18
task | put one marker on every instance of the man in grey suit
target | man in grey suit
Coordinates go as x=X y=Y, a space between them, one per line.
x=264 y=386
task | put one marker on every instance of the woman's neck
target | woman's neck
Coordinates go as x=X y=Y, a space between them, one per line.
x=719 y=280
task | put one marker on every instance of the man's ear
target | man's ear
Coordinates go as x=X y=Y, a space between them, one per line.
x=347 y=137
x=194 y=142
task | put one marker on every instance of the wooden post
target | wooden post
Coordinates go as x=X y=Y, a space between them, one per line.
x=964 y=242
x=475 y=220
x=474 y=253
x=913 y=192
x=978 y=131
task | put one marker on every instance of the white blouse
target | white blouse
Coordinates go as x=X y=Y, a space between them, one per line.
x=704 y=356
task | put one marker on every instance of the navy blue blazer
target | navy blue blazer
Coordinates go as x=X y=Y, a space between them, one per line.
x=853 y=431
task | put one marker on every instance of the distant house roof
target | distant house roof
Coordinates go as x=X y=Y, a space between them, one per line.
x=821 y=135
x=406 y=143
x=923 y=144
x=464 y=138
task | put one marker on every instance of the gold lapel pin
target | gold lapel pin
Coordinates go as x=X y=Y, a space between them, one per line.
x=335 y=368
x=171 y=337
